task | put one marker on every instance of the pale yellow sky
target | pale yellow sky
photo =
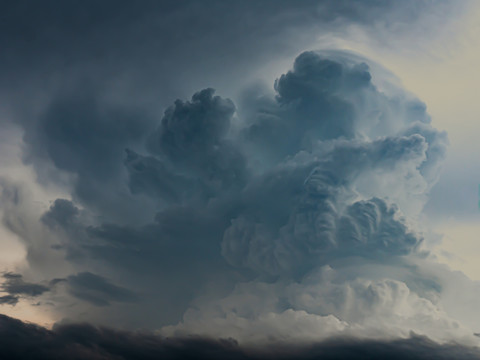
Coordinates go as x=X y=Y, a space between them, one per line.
x=12 y=249
x=460 y=248
x=445 y=74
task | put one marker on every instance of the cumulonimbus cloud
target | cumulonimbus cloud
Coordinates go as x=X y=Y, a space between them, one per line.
x=293 y=211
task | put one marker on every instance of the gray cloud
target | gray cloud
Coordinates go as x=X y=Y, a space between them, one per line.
x=192 y=138
x=15 y=285
x=85 y=286
x=70 y=86
x=332 y=197
x=203 y=202
x=97 y=290
x=20 y=340
x=152 y=177
x=320 y=221
x=326 y=96
x=321 y=200
x=61 y=213
x=209 y=197
x=8 y=299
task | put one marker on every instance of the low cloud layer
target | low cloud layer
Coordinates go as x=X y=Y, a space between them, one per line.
x=19 y=340
x=85 y=286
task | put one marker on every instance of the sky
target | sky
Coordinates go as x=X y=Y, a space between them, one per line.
x=241 y=179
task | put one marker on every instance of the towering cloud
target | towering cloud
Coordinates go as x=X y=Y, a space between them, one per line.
x=301 y=213
x=287 y=216
x=324 y=222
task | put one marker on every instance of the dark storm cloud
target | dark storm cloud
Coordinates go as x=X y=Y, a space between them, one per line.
x=150 y=176
x=299 y=215
x=374 y=226
x=15 y=285
x=61 y=213
x=171 y=259
x=162 y=244
x=167 y=260
x=437 y=142
x=191 y=127
x=9 y=299
x=80 y=136
x=175 y=200
x=192 y=138
x=191 y=160
x=314 y=200
x=90 y=57
x=85 y=286
x=20 y=340
x=162 y=50
x=315 y=233
x=108 y=36
x=64 y=218
x=97 y=290
x=86 y=140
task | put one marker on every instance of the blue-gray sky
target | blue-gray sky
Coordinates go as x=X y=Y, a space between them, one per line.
x=259 y=171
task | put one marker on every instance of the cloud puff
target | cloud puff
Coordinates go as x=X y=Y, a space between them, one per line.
x=192 y=137
x=61 y=213
x=316 y=234
x=328 y=96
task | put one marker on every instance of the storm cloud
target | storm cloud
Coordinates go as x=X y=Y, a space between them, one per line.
x=346 y=187
x=229 y=217
x=15 y=285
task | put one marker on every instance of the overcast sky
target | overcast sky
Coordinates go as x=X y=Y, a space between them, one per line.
x=272 y=172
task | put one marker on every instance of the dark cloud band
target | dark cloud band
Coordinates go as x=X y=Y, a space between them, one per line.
x=20 y=341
